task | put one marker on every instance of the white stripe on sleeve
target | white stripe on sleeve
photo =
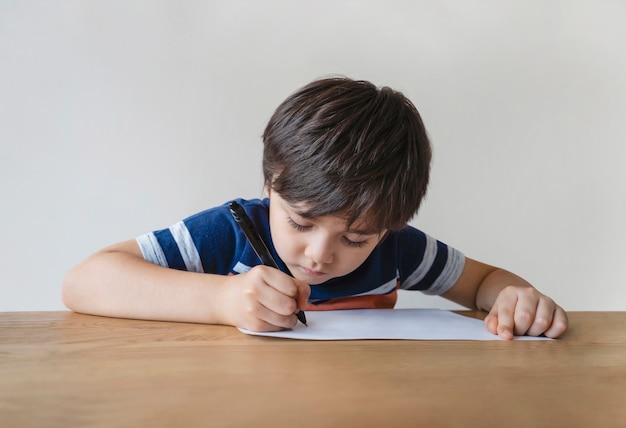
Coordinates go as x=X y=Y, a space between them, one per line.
x=450 y=274
x=430 y=252
x=151 y=250
x=241 y=268
x=388 y=287
x=186 y=246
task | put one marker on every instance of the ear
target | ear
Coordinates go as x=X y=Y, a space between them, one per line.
x=267 y=190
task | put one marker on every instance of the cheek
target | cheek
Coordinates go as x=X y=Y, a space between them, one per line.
x=285 y=242
x=359 y=257
x=349 y=260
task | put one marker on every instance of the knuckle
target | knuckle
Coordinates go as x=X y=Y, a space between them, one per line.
x=512 y=290
x=258 y=272
x=523 y=316
x=251 y=292
x=505 y=311
x=292 y=291
x=528 y=292
x=560 y=326
x=541 y=324
x=250 y=310
x=288 y=307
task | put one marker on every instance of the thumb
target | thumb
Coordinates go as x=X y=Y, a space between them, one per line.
x=500 y=322
x=304 y=291
x=491 y=321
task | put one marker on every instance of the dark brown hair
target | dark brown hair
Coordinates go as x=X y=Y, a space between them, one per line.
x=345 y=147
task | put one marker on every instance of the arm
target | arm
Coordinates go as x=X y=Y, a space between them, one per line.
x=514 y=306
x=118 y=282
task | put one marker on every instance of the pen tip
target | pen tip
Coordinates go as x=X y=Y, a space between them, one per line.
x=302 y=318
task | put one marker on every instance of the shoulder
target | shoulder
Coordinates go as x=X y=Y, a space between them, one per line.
x=255 y=208
x=216 y=226
x=408 y=236
x=218 y=237
x=415 y=244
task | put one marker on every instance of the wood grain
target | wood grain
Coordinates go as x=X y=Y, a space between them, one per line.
x=67 y=369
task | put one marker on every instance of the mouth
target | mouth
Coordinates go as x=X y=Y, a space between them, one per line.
x=312 y=272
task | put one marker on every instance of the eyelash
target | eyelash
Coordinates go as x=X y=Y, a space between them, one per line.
x=297 y=226
x=354 y=244
x=349 y=243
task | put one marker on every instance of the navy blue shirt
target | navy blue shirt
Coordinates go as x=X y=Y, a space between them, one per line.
x=212 y=242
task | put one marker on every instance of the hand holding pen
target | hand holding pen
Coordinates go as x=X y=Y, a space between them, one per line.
x=256 y=242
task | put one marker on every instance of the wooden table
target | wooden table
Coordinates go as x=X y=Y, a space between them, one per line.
x=71 y=370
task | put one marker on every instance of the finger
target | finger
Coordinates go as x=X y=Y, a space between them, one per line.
x=277 y=321
x=277 y=302
x=525 y=310
x=304 y=291
x=295 y=289
x=491 y=321
x=275 y=290
x=281 y=295
x=505 y=312
x=280 y=281
x=257 y=316
x=266 y=320
x=543 y=317
x=559 y=324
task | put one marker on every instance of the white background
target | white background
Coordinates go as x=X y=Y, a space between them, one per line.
x=120 y=117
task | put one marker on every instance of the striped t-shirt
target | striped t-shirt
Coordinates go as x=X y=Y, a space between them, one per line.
x=212 y=242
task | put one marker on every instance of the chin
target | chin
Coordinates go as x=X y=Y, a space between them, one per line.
x=317 y=281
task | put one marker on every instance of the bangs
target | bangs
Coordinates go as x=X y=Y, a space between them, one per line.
x=374 y=208
x=346 y=148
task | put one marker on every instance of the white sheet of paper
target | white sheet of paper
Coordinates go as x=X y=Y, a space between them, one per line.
x=407 y=324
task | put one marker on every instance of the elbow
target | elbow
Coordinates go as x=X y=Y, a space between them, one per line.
x=70 y=290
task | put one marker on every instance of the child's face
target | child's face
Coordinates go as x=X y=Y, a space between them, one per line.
x=321 y=248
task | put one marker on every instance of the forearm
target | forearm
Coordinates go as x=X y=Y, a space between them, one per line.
x=119 y=284
x=479 y=285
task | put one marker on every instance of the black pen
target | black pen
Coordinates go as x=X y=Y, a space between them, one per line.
x=242 y=219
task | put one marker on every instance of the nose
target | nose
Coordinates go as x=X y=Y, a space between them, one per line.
x=320 y=250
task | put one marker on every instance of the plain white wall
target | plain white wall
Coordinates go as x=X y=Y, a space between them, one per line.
x=120 y=117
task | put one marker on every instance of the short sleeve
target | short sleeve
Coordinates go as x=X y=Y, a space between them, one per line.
x=427 y=264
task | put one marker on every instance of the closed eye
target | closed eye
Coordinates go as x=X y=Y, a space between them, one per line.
x=354 y=244
x=350 y=243
x=297 y=226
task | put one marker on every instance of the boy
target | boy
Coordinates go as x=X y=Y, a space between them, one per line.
x=346 y=166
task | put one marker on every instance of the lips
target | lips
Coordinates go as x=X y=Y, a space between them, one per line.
x=312 y=272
